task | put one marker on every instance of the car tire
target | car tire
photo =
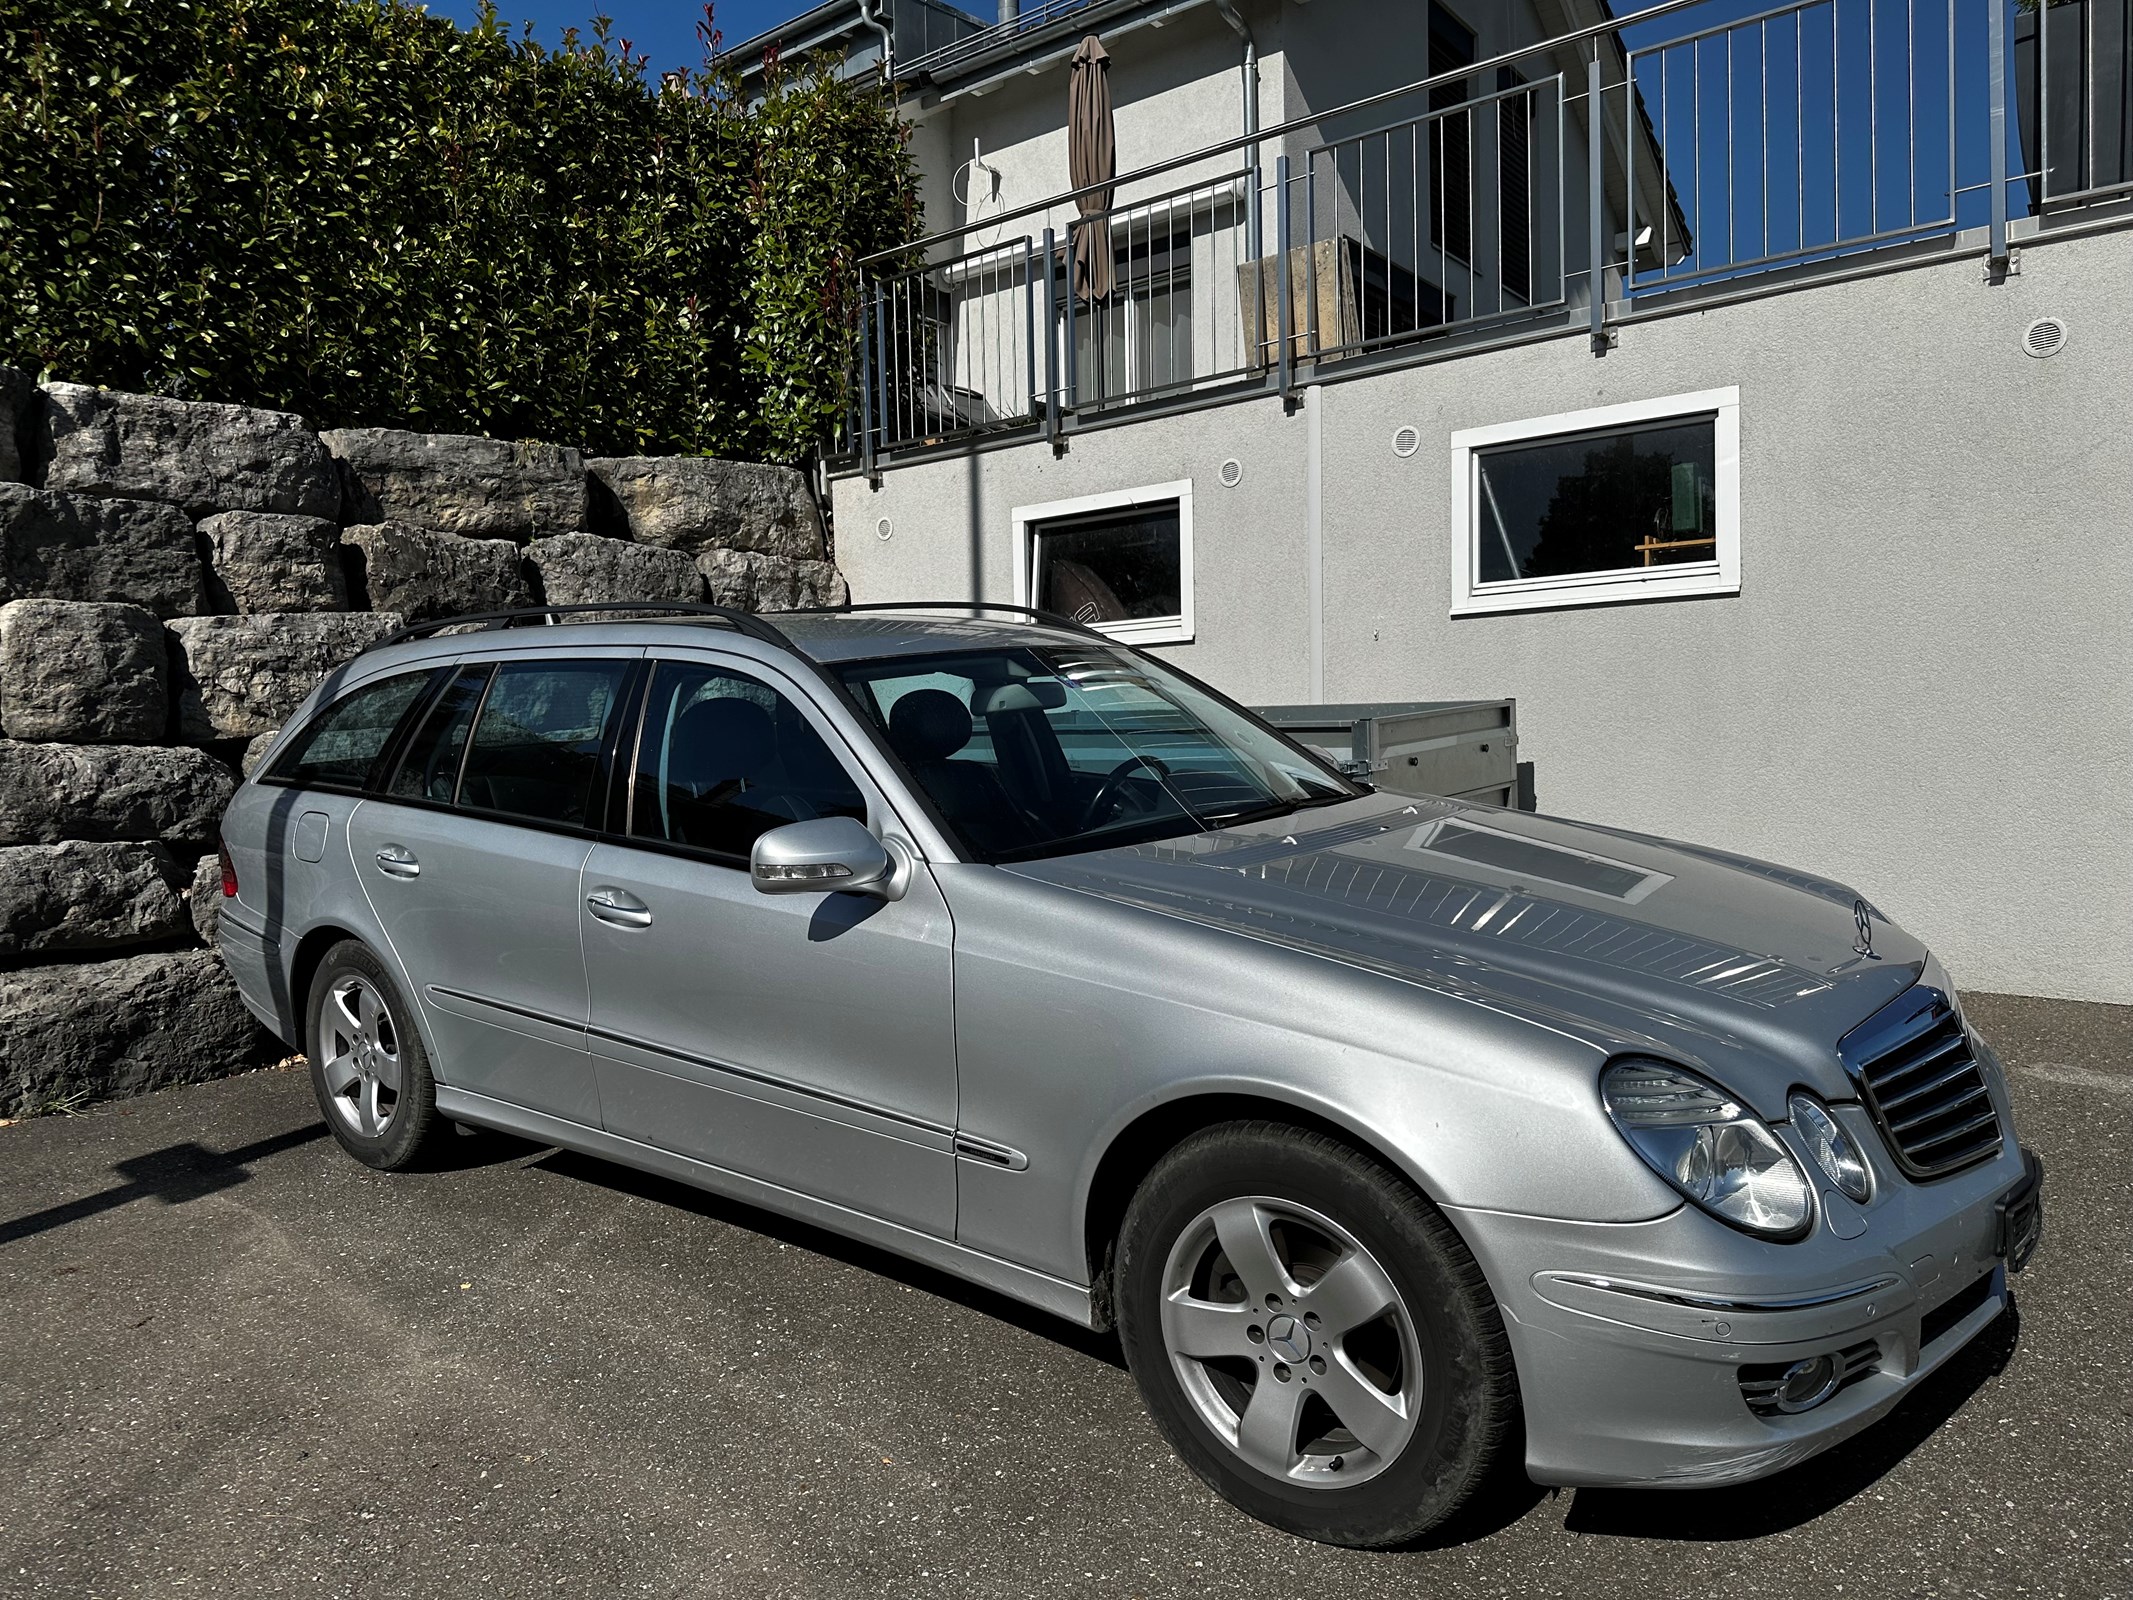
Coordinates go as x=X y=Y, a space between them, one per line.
x=368 y=1067
x=1226 y=1358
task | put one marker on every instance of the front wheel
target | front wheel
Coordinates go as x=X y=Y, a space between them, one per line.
x=368 y=1067
x=1312 y=1337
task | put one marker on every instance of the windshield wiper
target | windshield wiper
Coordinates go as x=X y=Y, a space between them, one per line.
x=1268 y=811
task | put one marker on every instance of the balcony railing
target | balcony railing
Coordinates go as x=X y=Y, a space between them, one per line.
x=1570 y=183
x=932 y=60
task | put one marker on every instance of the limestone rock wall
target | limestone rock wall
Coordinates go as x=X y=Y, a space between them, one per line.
x=175 y=576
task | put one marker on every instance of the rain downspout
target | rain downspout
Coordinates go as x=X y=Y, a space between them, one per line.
x=868 y=16
x=1228 y=10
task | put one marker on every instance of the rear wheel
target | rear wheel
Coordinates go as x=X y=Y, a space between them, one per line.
x=368 y=1067
x=1312 y=1336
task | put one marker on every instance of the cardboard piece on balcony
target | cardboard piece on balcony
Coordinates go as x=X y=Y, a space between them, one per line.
x=1322 y=267
x=1092 y=157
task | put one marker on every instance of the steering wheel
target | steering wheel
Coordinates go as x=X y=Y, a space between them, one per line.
x=1111 y=790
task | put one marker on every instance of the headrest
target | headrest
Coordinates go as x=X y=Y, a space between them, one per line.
x=727 y=738
x=929 y=725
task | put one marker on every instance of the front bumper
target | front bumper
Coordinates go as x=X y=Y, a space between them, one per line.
x=1633 y=1340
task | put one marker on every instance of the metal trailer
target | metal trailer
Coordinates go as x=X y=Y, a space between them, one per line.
x=1460 y=749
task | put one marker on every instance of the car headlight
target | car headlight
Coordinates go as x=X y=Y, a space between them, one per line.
x=1709 y=1146
x=1830 y=1145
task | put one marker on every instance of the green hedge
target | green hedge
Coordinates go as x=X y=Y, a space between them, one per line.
x=354 y=210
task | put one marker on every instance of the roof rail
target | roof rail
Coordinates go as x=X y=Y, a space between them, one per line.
x=1073 y=624
x=525 y=616
x=743 y=622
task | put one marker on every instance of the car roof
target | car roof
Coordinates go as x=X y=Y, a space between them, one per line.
x=856 y=635
x=829 y=637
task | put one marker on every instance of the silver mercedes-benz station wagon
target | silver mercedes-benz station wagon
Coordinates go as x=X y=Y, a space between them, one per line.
x=1403 y=1141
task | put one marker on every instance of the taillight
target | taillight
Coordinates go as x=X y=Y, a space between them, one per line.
x=229 y=873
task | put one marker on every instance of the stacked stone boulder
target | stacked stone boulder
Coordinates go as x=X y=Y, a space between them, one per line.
x=176 y=576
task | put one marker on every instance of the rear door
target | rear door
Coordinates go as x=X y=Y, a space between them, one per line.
x=806 y=1040
x=471 y=861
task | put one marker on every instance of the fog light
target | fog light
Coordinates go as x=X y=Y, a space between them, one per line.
x=1786 y=1388
x=1806 y=1384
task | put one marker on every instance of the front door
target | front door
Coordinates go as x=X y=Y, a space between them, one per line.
x=804 y=1040
x=471 y=861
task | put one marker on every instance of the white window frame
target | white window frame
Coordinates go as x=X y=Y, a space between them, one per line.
x=1141 y=630
x=1675 y=580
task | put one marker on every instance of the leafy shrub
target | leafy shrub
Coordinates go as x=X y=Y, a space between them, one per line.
x=358 y=211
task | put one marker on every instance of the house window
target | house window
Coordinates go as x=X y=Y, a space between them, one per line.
x=1451 y=137
x=1120 y=562
x=1392 y=300
x=1139 y=339
x=1624 y=502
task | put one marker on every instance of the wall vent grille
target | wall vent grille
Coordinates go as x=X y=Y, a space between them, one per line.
x=2044 y=337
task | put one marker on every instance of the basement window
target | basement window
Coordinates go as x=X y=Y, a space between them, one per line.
x=1120 y=562
x=1628 y=502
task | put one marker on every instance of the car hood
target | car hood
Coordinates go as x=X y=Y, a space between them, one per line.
x=1626 y=939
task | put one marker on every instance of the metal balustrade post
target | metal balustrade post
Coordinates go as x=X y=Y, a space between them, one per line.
x=1051 y=342
x=1996 y=100
x=1596 y=200
x=1070 y=396
x=867 y=369
x=1281 y=270
x=1311 y=254
x=1029 y=321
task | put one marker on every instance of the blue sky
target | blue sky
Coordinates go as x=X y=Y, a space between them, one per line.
x=663 y=29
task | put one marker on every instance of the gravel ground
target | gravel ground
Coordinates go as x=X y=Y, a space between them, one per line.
x=232 y=1360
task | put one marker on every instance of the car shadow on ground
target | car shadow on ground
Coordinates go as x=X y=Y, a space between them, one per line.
x=1743 y=1511
x=1802 y=1493
x=1102 y=1347
x=1502 y=1503
x=464 y=1148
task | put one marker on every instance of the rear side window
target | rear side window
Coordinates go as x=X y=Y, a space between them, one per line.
x=338 y=747
x=430 y=768
x=537 y=742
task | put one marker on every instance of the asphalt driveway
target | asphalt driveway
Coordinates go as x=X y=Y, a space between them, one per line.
x=233 y=1361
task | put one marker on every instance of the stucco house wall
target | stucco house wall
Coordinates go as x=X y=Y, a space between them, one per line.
x=1920 y=689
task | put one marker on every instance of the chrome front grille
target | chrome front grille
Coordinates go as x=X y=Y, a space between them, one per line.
x=1919 y=1080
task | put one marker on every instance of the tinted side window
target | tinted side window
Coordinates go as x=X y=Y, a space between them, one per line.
x=340 y=744
x=724 y=758
x=429 y=770
x=536 y=748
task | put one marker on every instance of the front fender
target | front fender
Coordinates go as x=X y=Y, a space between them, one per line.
x=1078 y=1018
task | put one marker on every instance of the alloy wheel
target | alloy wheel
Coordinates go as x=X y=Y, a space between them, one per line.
x=1291 y=1342
x=359 y=1053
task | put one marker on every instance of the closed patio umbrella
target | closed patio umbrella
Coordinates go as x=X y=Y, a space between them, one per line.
x=1092 y=157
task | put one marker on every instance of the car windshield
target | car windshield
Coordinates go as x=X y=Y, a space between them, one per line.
x=1034 y=751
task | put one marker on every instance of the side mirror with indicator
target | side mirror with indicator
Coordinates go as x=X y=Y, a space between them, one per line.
x=830 y=855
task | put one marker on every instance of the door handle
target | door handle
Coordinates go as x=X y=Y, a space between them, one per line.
x=397 y=861
x=618 y=907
